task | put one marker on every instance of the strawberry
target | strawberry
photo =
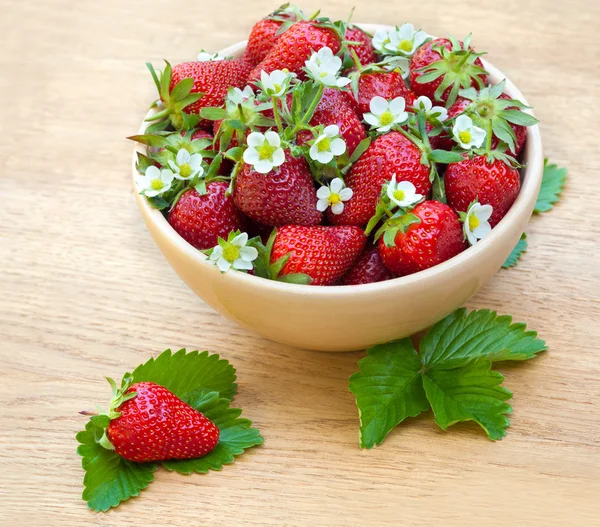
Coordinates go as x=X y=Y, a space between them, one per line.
x=295 y=47
x=429 y=234
x=200 y=220
x=284 y=195
x=490 y=182
x=155 y=425
x=440 y=68
x=364 y=50
x=211 y=81
x=388 y=85
x=335 y=107
x=266 y=32
x=322 y=253
x=368 y=269
x=387 y=155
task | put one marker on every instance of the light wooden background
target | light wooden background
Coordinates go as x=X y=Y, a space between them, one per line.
x=84 y=293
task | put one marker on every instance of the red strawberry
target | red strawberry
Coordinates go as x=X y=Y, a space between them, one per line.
x=435 y=238
x=226 y=166
x=211 y=78
x=200 y=220
x=365 y=50
x=496 y=184
x=295 y=47
x=388 y=85
x=368 y=269
x=387 y=155
x=323 y=253
x=520 y=131
x=334 y=108
x=284 y=195
x=264 y=33
x=156 y=425
x=427 y=59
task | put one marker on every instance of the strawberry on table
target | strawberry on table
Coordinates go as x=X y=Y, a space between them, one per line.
x=484 y=179
x=323 y=253
x=155 y=425
x=368 y=269
x=425 y=236
x=201 y=220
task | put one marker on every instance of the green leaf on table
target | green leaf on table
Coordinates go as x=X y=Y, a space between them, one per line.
x=460 y=338
x=516 y=253
x=183 y=372
x=469 y=393
x=236 y=434
x=552 y=185
x=109 y=479
x=388 y=389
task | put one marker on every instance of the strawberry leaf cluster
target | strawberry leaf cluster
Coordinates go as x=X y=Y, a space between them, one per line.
x=205 y=382
x=451 y=374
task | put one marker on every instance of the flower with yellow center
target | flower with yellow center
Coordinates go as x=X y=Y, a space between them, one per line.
x=476 y=222
x=433 y=113
x=404 y=40
x=466 y=134
x=233 y=253
x=324 y=67
x=276 y=83
x=385 y=114
x=186 y=165
x=264 y=151
x=154 y=182
x=402 y=193
x=327 y=145
x=333 y=196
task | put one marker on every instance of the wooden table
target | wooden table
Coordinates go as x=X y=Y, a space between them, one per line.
x=85 y=293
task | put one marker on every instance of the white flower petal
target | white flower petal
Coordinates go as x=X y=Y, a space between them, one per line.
x=323 y=192
x=173 y=166
x=419 y=38
x=264 y=166
x=240 y=240
x=314 y=152
x=337 y=147
x=166 y=176
x=484 y=212
x=343 y=82
x=322 y=205
x=332 y=130
x=346 y=194
x=152 y=172
x=483 y=229
x=248 y=254
x=338 y=208
x=141 y=182
x=378 y=105
x=406 y=32
x=336 y=185
x=470 y=236
x=324 y=157
x=273 y=138
x=223 y=265
x=251 y=156
x=407 y=187
x=217 y=252
x=195 y=161
x=151 y=193
x=242 y=265
x=371 y=119
x=183 y=156
x=397 y=105
x=278 y=157
x=478 y=136
x=255 y=139
x=423 y=102
x=463 y=122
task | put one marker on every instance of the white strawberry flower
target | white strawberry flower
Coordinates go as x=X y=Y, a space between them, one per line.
x=238 y=96
x=233 y=253
x=476 y=224
x=395 y=63
x=204 y=56
x=402 y=193
x=466 y=134
x=381 y=39
x=324 y=67
x=264 y=151
x=154 y=182
x=276 y=83
x=327 y=145
x=404 y=40
x=333 y=196
x=186 y=165
x=435 y=112
x=385 y=114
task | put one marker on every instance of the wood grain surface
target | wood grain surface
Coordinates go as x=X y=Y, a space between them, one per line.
x=85 y=294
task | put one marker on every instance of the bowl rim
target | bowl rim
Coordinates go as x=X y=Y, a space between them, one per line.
x=532 y=175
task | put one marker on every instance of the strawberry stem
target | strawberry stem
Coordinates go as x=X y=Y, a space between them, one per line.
x=276 y=114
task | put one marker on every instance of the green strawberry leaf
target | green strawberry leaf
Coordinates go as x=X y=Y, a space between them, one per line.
x=553 y=182
x=469 y=393
x=109 y=479
x=516 y=253
x=236 y=434
x=183 y=372
x=460 y=338
x=388 y=389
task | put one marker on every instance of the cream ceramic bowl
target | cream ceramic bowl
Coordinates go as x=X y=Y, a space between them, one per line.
x=345 y=318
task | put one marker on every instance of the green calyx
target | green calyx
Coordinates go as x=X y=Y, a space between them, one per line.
x=399 y=222
x=173 y=102
x=456 y=68
x=495 y=114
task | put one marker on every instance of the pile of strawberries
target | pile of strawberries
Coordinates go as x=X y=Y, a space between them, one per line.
x=329 y=156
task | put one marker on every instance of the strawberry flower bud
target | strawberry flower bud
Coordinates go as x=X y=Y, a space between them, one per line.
x=385 y=114
x=327 y=145
x=154 y=182
x=333 y=196
x=264 y=151
x=466 y=134
x=475 y=222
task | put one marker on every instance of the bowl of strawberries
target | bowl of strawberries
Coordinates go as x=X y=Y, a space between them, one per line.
x=333 y=186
